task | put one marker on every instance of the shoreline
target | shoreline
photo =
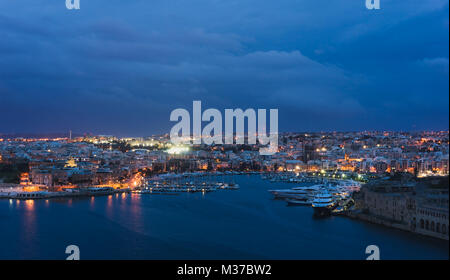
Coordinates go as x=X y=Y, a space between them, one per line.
x=352 y=214
x=50 y=195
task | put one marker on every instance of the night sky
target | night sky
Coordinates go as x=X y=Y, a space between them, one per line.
x=120 y=67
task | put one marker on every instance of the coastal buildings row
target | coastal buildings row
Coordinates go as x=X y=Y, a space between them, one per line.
x=419 y=206
x=98 y=159
x=411 y=203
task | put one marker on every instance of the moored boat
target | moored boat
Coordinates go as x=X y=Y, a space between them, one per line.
x=298 y=202
x=323 y=203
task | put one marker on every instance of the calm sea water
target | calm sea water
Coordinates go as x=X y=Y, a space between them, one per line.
x=227 y=224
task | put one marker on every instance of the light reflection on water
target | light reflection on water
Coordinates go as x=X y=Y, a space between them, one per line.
x=29 y=223
x=109 y=206
x=237 y=224
x=92 y=203
x=29 y=205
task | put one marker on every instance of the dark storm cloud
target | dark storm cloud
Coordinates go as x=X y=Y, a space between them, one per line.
x=121 y=67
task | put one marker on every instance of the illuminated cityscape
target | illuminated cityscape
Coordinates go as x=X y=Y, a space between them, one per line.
x=98 y=160
x=101 y=165
x=224 y=130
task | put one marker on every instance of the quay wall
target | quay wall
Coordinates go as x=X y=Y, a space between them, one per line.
x=393 y=224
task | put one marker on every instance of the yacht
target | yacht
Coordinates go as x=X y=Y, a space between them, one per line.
x=298 y=201
x=323 y=203
x=313 y=188
x=289 y=193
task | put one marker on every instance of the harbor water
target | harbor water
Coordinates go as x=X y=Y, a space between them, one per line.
x=224 y=224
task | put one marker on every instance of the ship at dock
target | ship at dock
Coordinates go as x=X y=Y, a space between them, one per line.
x=323 y=204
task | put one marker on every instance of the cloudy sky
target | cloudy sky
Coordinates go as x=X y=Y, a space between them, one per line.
x=120 y=67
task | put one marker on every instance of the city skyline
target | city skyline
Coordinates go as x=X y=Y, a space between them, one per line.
x=224 y=138
x=71 y=134
x=121 y=68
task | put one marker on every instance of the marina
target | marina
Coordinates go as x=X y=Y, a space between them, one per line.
x=165 y=184
x=327 y=198
x=204 y=182
x=170 y=183
x=243 y=224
